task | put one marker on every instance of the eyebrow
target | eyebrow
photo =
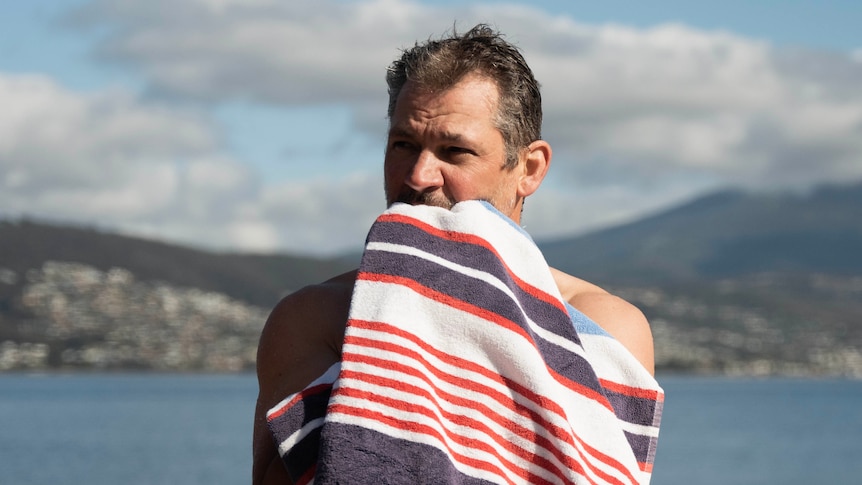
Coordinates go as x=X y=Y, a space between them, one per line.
x=399 y=131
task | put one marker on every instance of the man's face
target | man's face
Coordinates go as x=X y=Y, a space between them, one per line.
x=443 y=148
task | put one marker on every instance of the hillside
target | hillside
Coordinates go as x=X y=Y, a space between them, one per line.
x=732 y=283
x=77 y=298
x=255 y=279
x=727 y=234
x=739 y=283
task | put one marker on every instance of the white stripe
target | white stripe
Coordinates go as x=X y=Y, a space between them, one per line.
x=440 y=405
x=464 y=333
x=587 y=412
x=485 y=343
x=639 y=429
x=297 y=436
x=446 y=429
x=452 y=370
x=612 y=361
x=472 y=217
x=513 y=354
x=327 y=377
x=487 y=278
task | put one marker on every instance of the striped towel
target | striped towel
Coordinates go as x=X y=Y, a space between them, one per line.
x=462 y=364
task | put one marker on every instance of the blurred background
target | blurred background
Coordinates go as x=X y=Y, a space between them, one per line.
x=170 y=169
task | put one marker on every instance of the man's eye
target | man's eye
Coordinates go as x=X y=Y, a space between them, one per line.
x=459 y=150
x=400 y=145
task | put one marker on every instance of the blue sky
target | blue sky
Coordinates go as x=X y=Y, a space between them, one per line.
x=258 y=125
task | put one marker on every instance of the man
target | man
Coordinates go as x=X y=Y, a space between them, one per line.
x=465 y=118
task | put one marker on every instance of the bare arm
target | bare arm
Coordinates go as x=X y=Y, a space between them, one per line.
x=272 y=362
x=621 y=319
x=301 y=339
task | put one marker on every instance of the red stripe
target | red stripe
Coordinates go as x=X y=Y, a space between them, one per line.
x=531 y=436
x=503 y=399
x=418 y=428
x=450 y=359
x=583 y=390
x=542 y=401
x=445 y=299
x=309 y=391
x=308 y=476
x=632 y=391
x=467 y=238
x=486 y=315
x=431 y=392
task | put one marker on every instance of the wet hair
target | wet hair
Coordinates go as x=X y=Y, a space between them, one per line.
x=438 y=65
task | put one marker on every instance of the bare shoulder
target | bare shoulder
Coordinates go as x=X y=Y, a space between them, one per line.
x=618 y=317
x=304 y=327
x=301 y=339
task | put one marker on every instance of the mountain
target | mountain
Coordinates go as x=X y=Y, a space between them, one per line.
x=739 y=283
x=732 y=283
x=81 y=299
x=256 y=279
x=725 y=234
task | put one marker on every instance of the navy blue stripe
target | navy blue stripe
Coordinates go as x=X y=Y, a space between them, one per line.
x=490 y=298
x=301 y=413
x=642 y=446
x=637 y=410
x=366 y=456
x=477 y=257
x=304 y=453
x=466 y=254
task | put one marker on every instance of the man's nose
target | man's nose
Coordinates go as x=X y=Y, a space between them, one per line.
x=426 y=174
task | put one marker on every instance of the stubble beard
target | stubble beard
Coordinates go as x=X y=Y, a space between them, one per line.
x=412 y=197
x=438 y=199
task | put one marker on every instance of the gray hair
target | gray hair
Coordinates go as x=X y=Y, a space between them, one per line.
x=440 y=64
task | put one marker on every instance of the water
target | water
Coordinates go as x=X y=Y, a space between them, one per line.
x=747 y=432
x=191 y=429
x=129 y=429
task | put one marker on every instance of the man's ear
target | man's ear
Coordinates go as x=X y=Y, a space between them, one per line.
x=534 y=167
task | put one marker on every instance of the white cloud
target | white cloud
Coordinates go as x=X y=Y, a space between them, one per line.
x=642 y=102
x=64 y=154
x=638 y=117
x=295 y=52
x=325 y=215
x=118 y=162
x=674 y=100
x=110 y=160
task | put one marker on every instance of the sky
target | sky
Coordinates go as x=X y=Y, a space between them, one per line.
x=259 y=125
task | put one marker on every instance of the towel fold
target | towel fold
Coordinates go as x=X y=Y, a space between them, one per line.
x=462 y=364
